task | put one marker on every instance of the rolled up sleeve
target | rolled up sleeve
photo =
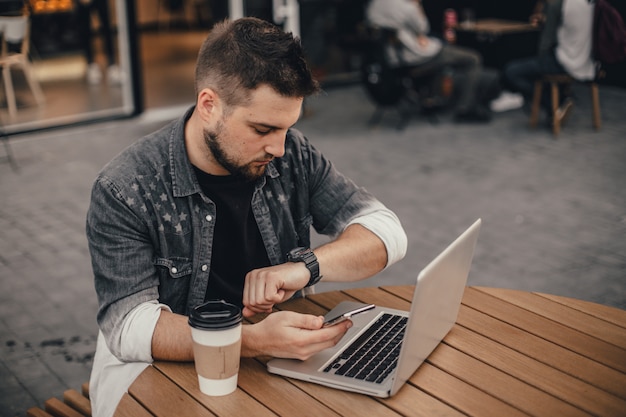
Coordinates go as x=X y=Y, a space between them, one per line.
x=385 y=224
x=137 y=331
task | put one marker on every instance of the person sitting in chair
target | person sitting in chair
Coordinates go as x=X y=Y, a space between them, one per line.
x=430 y=55
x=564 y=48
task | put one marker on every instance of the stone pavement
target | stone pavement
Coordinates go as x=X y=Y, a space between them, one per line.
x=554 y=215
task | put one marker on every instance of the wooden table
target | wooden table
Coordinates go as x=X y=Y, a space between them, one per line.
x=497 y=27
x=499 y=41
x=511 y=353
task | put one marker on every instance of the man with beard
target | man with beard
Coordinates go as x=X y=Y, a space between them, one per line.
x=219 y=205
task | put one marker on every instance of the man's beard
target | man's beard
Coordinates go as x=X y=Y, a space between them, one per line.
x=245 y=172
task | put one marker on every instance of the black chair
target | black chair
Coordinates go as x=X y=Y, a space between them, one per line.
x=390 y=83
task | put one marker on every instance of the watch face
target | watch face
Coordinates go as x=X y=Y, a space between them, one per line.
x=304 y=253
x=297 y=254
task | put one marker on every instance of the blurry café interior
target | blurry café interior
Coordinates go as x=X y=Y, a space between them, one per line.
x=67 y=62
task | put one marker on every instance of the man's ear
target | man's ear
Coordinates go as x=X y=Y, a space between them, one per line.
x=208 y=104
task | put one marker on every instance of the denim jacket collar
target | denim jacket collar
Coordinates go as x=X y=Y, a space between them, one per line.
x=184 y=181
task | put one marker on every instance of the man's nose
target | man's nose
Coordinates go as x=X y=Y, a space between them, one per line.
x=276 y=144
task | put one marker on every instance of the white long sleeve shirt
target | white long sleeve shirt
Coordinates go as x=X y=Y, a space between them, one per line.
x=574 y=37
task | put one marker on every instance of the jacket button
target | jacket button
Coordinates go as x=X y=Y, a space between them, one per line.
x=174 y=270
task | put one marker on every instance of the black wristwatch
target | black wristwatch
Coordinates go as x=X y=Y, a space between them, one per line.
x=307 y=256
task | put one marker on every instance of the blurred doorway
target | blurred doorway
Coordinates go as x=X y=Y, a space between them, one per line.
x=82 y=57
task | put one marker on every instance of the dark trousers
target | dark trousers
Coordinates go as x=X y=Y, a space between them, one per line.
x=488 y=86
x=520 y=75
x=465 y=63
x=86 y=32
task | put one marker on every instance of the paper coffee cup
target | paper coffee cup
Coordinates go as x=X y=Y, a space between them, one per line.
x=216 y=333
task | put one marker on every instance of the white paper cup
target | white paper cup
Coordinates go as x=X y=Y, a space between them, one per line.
x=216 y=333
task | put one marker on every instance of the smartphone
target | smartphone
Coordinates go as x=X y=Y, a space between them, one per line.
x=346 y=314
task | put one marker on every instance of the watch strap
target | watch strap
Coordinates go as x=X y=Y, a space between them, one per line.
x=307 y=256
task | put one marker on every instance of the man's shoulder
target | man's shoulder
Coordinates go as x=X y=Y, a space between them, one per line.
x=298 y=151
x=295 y=137
x=297 y=144
x=142 y=157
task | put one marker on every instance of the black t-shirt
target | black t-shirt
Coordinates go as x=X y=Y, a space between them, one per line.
x=237 y=244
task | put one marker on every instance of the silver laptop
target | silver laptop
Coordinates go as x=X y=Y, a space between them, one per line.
x=359 y=363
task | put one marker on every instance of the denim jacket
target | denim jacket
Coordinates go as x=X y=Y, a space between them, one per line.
x=150 y=227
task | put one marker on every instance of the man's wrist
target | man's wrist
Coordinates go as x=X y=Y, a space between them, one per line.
x=249 y=345
x=309 y=259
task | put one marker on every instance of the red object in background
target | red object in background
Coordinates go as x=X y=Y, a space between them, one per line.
x=449 y=18
x=450 y=21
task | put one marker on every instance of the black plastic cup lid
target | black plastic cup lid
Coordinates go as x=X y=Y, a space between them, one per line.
x=215 y=315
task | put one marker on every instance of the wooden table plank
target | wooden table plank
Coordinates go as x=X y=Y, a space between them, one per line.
x=411 y=401
x=565 y=360
x=610 y=314
x=565 y=315
x=537 y=374
x=129 y=407
x=303 y=305
x=330 y=299
x=239 y=403
x=501 y=385
x=591 y=347
x=379 y=297
x=403 y=291
x=278 y=394
x=460 y=395
x=162 y=397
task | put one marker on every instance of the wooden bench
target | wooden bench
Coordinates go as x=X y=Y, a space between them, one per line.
x=74 y=404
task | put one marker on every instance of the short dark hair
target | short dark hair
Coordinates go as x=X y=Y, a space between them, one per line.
x=238 y=56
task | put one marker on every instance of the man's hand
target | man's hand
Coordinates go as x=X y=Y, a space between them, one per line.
x=265 y=287
x=286 y=334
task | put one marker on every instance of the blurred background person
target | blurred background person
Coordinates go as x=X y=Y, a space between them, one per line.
x=564 y=48
x=431 y=55
x=87 y=34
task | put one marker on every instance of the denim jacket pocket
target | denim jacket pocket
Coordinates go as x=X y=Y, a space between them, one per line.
x=175 y=279
x=176 y=267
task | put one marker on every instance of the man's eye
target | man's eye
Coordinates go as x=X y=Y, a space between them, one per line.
x=263 y=131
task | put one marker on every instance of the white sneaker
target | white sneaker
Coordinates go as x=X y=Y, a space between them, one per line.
x=94 y=75
x=507 y=101
x=115 y=76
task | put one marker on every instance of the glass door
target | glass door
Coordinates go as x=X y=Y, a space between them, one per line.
x=79 y=63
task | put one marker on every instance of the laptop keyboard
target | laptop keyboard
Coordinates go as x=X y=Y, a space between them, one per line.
x=374 y=355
